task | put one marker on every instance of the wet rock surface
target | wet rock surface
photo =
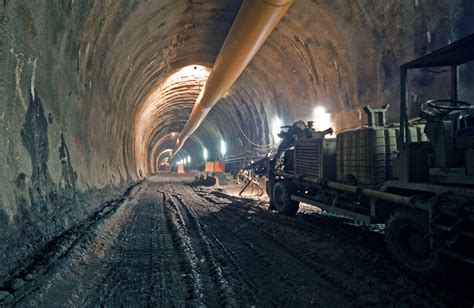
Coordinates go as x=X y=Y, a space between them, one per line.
x=170 y=244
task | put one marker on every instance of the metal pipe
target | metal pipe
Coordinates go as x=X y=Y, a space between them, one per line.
x=254 y=23
x=454 y=82
x=402 y=200
x=404 y=128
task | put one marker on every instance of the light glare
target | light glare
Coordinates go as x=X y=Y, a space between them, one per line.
x=223 y=148
x=276 y=128
x=321 y=118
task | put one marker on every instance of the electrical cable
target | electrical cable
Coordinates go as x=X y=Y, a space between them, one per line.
x=250 y=141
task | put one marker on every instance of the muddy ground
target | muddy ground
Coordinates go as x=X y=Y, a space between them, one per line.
x=167 y=243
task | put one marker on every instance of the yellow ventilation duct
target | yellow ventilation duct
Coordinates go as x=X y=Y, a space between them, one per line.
x=254 y=23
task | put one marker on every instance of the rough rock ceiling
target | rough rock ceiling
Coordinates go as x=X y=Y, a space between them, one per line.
x=110 y=59
x=337 y=54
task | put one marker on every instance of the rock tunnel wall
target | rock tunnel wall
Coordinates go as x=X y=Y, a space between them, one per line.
x=92 y=91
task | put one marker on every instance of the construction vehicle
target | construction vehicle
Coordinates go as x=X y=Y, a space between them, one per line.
x=416 y=177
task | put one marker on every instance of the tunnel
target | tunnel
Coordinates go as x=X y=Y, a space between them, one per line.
x=95 y=95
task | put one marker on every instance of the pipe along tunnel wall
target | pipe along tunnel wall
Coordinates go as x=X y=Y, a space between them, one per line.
x=91 y=91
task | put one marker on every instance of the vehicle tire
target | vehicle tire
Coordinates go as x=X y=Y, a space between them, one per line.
x=271 y=205
x=282 y=199
x=406 y=237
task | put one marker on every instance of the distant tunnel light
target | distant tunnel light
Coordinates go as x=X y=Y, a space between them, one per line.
x=321 y=118
x=223 y=148
x=276 y=128
x=189 y=159
x=205 y=154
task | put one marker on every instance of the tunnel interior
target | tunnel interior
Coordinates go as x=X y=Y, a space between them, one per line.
x=95 y=93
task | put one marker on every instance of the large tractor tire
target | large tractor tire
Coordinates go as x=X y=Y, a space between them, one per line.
x=406 y=235
x=282 y=199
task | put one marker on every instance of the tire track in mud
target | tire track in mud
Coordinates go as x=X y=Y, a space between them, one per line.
x=379 y=281
x=129 y=263
x=167 y=252
x=141 y=266
x=185 y=246
x=156 y=265
x=226 y=260
x=206 y=281
x=350 y=281
x=225 y=292
x=250 y=263
x=331 y=278
x=279 y=275
x=259 y=247
x=348 y=262
x=243 y=280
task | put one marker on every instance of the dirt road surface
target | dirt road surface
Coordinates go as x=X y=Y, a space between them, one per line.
x=167 y=243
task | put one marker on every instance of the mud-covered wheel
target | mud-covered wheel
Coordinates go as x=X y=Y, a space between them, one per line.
x=407 y=241
x=282 y=199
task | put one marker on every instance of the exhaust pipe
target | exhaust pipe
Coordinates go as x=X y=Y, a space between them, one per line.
x=252 y=26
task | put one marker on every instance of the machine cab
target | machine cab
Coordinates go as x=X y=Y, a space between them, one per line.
x=449 y=122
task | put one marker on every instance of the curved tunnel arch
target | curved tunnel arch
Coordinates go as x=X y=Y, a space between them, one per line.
x=310 y=59
x=76 y=75
x=126 y=50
